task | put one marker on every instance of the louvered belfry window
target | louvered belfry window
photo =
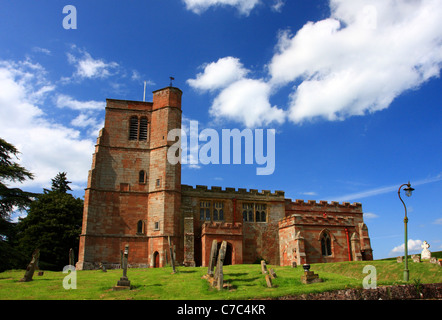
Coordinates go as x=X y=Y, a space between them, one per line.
x=138 y=128
x=133 y=128
x=143 y=129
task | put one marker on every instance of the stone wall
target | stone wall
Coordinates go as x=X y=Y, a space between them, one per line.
x=402 y=292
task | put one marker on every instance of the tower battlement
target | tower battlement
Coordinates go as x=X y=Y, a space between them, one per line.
x=232 y=191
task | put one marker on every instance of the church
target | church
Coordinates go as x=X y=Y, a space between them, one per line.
x=134 y=197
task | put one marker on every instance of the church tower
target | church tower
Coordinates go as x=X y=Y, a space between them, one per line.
x=133 y=195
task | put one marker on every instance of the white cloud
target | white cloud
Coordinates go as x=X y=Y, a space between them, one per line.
x=413 y=245
x=360 y=59
x=219 y=74
x=88 y=67
x=277 y=6
x=437 y=221
x=243 y=6
x=370 y=215
x=65 y=101
x=239 y=99
x=356 y=61
x=247 y=101
x=46 y=147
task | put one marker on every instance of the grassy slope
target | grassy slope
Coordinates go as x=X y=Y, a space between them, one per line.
x=246 y=281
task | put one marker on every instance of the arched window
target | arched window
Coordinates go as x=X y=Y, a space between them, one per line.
x=263 y=216
x=326 y=244
x=143 y=128
x=142 y=177
x=133 y=128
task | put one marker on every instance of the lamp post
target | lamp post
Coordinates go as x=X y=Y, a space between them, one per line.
x=408 y=190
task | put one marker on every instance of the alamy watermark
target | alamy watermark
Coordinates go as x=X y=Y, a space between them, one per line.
x=70 y=281
x=370 y=281
x=227 y=150
x=70 y=20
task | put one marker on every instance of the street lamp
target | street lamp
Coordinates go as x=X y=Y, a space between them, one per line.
x=408 y=190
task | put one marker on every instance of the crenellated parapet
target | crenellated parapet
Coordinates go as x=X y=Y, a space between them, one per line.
x=317 y=219
x=232 y=229
x=230 y=192
x=323 y=206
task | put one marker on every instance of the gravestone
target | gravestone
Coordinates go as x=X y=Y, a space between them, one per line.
x=102 y=267
x=219 y=274
x=31 y=267
x=425 y=254
x=268 y=281
x=263 y=267
x=212 y=259
x=400 y=259
x=294 y=264
x=416 y=258
x=433 y=260
x=172 y=259
x=309 y=276
x=124 y=282
x=71 y=257
x=272 y=273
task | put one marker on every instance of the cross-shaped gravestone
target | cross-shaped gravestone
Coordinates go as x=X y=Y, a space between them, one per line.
x=124 y=281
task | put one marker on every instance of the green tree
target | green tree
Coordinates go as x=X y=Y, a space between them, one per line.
x=11 y=199
x=53 y=225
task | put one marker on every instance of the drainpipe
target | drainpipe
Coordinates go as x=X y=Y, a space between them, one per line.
x=348 y=245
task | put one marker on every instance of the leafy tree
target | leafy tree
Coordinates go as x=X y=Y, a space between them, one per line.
x=11 y=198
x=53 y=225
x=60 y=183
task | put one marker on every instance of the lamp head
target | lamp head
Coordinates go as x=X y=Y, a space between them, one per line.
x=408 y=190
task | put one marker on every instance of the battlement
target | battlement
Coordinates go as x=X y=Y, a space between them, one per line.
x=231 y=229
x=323 y=203
x=231 y=191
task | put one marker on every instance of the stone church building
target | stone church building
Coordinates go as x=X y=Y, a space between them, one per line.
x=134 y=196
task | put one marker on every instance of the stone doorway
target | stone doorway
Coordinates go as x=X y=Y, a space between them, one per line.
x=156 y=259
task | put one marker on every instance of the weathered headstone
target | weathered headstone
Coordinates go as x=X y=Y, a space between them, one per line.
x=172 y=259
x=425 y=254
x=268 y=281
x=272 y=273
x=294 y=264
x=219 y=274
x=124 y=282
x=416 y=258
x=263 y=267
x=102 y=267
x=71 y=257
x=31 y=267
x=400 y=259
x=212 y=259
x=433 y=260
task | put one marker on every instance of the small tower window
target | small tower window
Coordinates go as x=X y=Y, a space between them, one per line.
x=140 y=227
x=142 y=176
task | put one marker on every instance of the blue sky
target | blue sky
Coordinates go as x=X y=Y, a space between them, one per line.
x=352 y=89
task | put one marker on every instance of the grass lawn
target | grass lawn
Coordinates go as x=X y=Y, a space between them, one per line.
x=246 y=282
